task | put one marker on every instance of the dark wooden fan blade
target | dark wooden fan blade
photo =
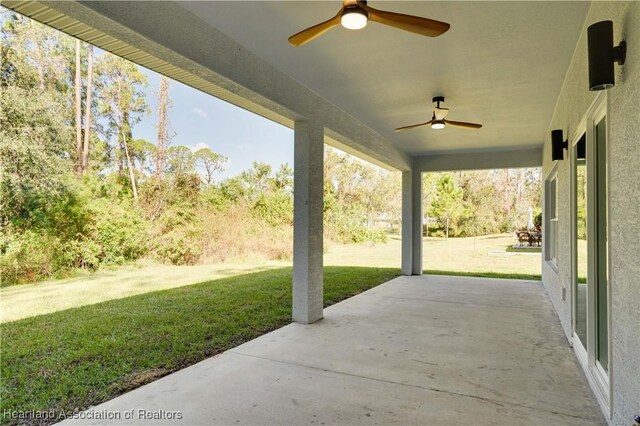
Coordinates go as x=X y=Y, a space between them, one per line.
x=414 y=24
x=305 y=36
x=462 y=124
x=413 y=126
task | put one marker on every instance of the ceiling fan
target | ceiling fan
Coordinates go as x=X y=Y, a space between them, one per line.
x=438 y=119
x=354 y=15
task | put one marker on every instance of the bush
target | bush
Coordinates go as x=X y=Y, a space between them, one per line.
x=348 y=224
x=82 y=254
x=179 y=247
x=275 y=209
x=537 y=220
x=26 y=257
x=240 y=232
x=78 y=230
x=117 y=229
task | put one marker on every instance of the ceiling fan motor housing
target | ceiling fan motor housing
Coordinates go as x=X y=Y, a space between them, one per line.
x=437 y=100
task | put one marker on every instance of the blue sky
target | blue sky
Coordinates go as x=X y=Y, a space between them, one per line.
x=198 y=118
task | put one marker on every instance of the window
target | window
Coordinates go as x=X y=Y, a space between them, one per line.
x=551 y=219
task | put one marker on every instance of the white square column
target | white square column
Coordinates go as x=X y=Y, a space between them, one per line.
x=417 y=218
x=308 y=191
x=407 y=224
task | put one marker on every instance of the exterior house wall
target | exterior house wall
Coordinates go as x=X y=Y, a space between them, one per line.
x=623 y=117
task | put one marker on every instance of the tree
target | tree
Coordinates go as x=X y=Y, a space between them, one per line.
x=447 y=204
x=78 y=108
x=357 y=195
x=34 y=147
x=181 y=161
x=144 y=153
x=164 y=103
x=87 y=114
x=428 y=194
x=257 y=179
x=122 y=103
x=210 y=162
x=283 y=179
x=38 y=53
x=35 y=121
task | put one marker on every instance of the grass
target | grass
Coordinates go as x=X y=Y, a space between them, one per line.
x=478 y=256
x=25 y=300
x=457 y=256
x=69 y=360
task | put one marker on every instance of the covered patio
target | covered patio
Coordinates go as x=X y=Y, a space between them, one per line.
x=418 y=349
x=415 y=350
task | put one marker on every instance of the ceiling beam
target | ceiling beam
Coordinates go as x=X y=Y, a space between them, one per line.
x=515 y=158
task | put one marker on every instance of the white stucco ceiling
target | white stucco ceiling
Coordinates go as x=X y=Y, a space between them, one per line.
x=501 y=64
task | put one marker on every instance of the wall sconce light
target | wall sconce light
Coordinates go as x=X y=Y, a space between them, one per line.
x=558 y=145
x=602 y=55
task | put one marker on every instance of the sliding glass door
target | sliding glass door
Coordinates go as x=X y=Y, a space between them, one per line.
x=590 y=249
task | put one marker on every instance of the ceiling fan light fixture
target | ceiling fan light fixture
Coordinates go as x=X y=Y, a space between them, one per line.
x=438 y=124
x=354 y=18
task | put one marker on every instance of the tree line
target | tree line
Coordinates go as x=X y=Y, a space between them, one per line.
x=482 y=202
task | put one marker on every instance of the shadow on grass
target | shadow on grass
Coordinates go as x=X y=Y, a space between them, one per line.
x=68 y=360
x=511 y=276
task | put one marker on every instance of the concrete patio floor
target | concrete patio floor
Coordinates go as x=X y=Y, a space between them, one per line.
x=415 y=350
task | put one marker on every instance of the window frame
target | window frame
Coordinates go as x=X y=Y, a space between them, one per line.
x=551 y=219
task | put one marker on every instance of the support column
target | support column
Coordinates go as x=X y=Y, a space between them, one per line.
x=308 y=180
x=407 y=219
x=416 y=228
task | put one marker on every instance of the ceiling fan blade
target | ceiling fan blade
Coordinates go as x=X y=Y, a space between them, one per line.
x=414 y=24
x=413 y=126
x=462 y=124
x=440 y=113
x=305 y=36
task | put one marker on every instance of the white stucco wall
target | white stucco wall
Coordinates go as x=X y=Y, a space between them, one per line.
x=624 y=192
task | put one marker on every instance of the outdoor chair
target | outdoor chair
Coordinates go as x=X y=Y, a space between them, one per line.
x=535 y=238
x=523 y=237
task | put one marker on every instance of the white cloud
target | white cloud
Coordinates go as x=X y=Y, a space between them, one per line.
x=201 y=113
x=199 y=146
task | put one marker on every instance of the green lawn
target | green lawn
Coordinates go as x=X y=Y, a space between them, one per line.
x=26 y=300
x=487 y=256
x=482 y=256
x=71 y=359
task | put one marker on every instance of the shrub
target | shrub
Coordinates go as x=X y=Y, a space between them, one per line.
x=118 y=229
x=348 y=224
x=26 y=257
x=179 y=247
x=239 y=232
x=83 y=254
x=275 y=209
